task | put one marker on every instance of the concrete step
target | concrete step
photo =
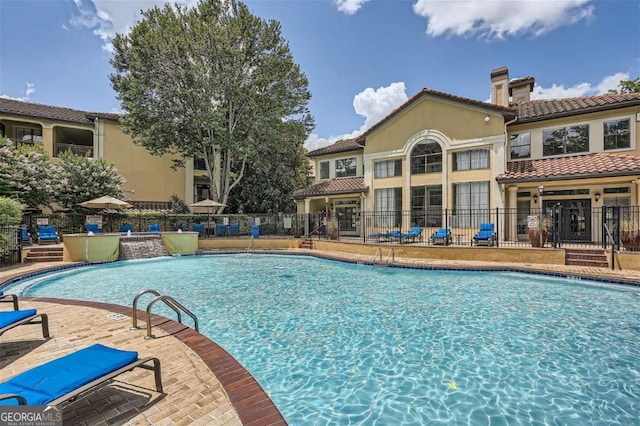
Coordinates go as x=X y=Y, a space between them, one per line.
x=44 y=254
x=307 y=244
x=587 y=257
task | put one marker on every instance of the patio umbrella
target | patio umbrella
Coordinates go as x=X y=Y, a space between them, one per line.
x=106 y=202
x=207 y=204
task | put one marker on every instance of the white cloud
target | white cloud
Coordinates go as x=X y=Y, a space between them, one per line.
x=106 y=18
x=349 y=7
x=373 y=105
x=581 y=89
x=500 y=18
x=30 y=90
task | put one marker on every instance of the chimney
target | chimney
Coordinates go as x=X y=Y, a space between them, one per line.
x=500 y=86
x=520 y=88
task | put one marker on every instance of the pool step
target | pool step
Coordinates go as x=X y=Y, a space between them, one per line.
x=44 y=254
x=307 y=244
x=586 y=257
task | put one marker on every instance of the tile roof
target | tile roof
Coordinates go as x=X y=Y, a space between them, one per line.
x=340 y=146
x=544 y=109
x=333 y=187
x=599 y=164
x=28 y=109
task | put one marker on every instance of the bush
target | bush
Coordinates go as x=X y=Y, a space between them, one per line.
x=10 y=211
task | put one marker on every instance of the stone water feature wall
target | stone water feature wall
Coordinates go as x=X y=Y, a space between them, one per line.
x=141 y=247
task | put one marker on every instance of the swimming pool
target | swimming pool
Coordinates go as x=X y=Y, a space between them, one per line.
x=339 y=343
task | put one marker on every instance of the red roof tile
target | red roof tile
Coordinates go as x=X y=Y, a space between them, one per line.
x=544 y=109
x=333 y=187
x=28 y=109
x=340 y=146
x=576 y=167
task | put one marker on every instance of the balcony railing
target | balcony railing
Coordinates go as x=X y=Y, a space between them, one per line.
x=76 y=149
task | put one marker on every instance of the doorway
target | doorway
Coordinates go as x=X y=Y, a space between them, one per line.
x=575 y=220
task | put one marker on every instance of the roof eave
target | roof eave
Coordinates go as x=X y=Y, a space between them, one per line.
x=579 y=112
x=570 y=177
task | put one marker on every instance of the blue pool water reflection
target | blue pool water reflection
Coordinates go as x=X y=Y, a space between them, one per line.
x=338 y=343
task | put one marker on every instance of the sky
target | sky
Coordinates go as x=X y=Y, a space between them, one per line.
x=363 y=58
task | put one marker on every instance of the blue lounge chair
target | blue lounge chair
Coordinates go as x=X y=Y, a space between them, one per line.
x=25 y=236
x=486 y=235
x=381 y=236
x=415 y=232
x=234 y=229
x=92 y=227
x=126 y=228
x=11 y=319
x=47 y=234
x=199 y=228
x=67 y=377
x=221 y=230
x=9 y=298
x=442 y=236
x=154 y=227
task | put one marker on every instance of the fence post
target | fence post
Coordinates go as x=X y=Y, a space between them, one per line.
x=497 y=227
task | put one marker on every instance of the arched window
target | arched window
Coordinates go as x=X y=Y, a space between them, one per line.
x=426 y=157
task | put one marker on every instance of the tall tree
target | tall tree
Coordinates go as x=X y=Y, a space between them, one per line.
x=278 y=165
x=206 y=82
x=627 y=86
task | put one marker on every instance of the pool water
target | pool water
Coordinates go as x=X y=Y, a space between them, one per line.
x=338 y=343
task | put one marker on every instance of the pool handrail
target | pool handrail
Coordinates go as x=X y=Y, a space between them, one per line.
x=169 y=301
x=134 y=313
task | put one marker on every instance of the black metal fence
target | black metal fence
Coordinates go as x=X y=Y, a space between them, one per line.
x=10 y=243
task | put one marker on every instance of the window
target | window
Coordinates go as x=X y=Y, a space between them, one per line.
x=324 y=170
x=390 y=168
x=346 y=167
x=28 y=134
x=520 y=145
x=426 y=205
x=199 y=164
x=471 y=160
x=616 y=134
x=388 y=207
x=426 y=158
x=565 y=140
x=471 y=204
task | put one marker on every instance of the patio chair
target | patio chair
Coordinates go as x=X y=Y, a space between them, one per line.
x=485 y=236
x=415 y=232
x=126 y=228
x=154 y=227
x=9 y=298
x=234 y=229
x=221 y=230
x=199 y=228
x=381 y=236
x=441 y=237
x=47 y=234
x=92 y=227
x=25 y=236
x=12 y=319
x=65 y=378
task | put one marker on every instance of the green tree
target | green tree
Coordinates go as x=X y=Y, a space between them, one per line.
x=206 y=83
x=25 y=173
x=627 y=86
x=277 y=167
x=10 y=211
x=78 y=178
